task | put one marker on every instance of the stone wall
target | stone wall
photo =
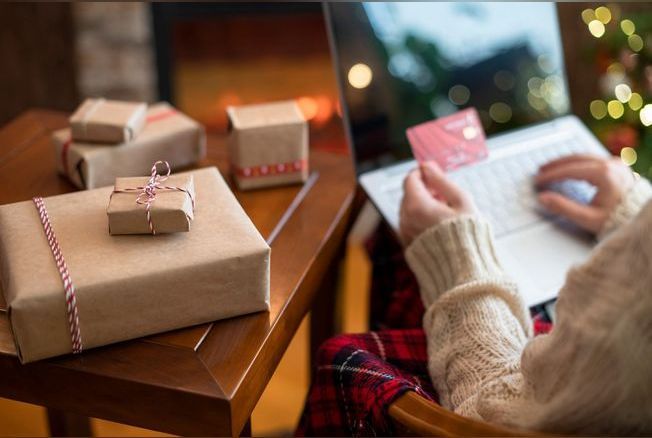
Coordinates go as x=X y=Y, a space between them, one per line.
x=115 y=52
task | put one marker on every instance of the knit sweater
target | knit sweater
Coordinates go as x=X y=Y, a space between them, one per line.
x=592 y=374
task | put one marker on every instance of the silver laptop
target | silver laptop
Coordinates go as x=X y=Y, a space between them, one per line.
x=400 y=64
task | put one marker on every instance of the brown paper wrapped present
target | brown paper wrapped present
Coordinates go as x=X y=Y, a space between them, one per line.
x=126 y=286
x=152 y=205
x=268 y=144
x=107 y=121
x=168 y=135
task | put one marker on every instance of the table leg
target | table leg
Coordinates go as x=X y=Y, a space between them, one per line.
x=246 y=429
x=323 y=323
x=322 y=315
x=64 y=423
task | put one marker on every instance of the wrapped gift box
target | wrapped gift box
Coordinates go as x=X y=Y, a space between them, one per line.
x=168 y=135
x=128 y=286
x=268 y=144
x=107 y=121
x=171 y=210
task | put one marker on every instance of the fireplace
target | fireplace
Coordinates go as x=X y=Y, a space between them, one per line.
x=210 y=56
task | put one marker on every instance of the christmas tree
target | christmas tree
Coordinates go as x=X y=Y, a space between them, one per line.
x=622 y=114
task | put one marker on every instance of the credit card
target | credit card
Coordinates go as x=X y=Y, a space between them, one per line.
x=452 y=141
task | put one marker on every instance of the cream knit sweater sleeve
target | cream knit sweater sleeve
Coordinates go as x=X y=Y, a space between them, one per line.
x=482 y=360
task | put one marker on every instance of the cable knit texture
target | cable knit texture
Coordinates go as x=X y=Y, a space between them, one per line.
x=628 y=208
x=591 y=375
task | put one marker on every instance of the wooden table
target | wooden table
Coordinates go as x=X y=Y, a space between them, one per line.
x=204 y=380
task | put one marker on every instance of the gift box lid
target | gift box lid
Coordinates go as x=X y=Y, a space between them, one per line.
x=108 y=112
x=265 y=114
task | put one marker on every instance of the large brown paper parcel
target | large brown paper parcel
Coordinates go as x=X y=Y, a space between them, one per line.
x=168 y=135
x=268 y=144
x=128 y=286
x=171 y=211
x=107 y=121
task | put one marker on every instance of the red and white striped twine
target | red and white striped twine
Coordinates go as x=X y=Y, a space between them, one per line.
x=71 y=301
x=147 y=194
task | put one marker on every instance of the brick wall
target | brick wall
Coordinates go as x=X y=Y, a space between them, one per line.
x=115 y=54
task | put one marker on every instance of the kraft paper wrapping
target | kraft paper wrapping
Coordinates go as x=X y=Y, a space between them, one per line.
x=168 y=135
x=107 y=121
x=267 y=135
x=128 y=286
x=171 y=210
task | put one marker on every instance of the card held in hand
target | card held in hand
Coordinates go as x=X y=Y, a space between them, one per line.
x=452 y=141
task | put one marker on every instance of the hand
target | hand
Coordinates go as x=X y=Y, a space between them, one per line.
x=610 y=175
x=429 y=198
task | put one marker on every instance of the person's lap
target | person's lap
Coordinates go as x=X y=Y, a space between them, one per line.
x=358 y=376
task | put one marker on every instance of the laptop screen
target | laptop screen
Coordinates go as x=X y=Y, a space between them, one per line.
x=400 y=64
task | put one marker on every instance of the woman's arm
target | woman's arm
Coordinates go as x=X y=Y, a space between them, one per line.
x=475 y=321
x=632 y=203
x=591 y=375
x=478 y=327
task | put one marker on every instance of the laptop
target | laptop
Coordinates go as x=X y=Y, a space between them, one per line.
x=401 y=64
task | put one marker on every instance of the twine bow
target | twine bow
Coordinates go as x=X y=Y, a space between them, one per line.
x=148 y=192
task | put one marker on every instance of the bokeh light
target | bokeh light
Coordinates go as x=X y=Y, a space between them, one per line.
x=308 y=106
x=628 y=155
x=635 y=102
x=459 y=94
x=596 y=27
x=588 y=15
x=324 y=109
x=646 y=115
x=500 y=112
x=360 y=76
x=623 y=92
x=546 y=63
x=615 y=109
x=598 y=109
x=628 y=27
x=536 y=102
x=603 y=14
x=616 y=68
x=534 y=85
x=635 y=42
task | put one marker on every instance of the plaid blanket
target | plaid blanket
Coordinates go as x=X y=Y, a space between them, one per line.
x=359 y=376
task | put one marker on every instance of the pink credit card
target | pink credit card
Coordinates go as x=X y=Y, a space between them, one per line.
x=452 y=141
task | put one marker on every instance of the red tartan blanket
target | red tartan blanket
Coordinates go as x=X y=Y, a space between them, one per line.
x=359 y=376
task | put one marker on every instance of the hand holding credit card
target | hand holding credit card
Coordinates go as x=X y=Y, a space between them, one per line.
x=452 y=141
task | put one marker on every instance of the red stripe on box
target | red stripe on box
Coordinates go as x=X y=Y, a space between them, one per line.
x=272 y=169
x=160 y=116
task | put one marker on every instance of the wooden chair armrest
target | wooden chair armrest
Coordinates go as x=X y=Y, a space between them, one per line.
x=426 y=418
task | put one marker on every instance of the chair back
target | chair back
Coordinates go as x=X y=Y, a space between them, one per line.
x=425 y=418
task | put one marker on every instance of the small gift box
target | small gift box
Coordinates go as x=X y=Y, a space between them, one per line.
x=168 y=135
x=156 y=205
x=268 y=144
x=70 y=286
x=107 y=121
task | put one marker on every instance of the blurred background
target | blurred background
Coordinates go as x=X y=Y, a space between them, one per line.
x=203 y=57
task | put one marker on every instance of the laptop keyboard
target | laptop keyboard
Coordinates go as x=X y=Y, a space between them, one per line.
x=504 y=191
